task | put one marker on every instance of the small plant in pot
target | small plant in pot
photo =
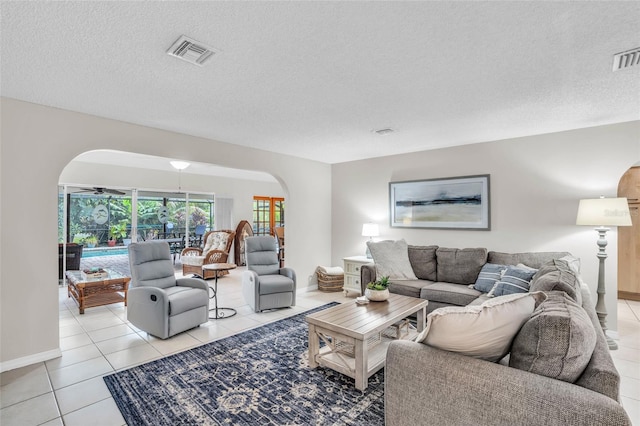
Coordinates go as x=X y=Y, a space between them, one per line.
x=378 y=290
x=91 y=241
x=117 y=231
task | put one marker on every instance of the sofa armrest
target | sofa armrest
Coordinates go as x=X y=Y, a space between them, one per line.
x=367 y=275
x=425 y=385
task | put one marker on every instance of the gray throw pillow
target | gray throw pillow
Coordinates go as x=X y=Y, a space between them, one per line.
x=557 y=341
x=557 y=275
x=391 y=259
x=423 y=261
x=489 y=275
x=460 y=266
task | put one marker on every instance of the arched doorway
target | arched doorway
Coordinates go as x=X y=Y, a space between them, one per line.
x=629 y=238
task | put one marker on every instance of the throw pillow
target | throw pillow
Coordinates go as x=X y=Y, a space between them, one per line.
x=516 y=279
x=391 y=259
x=423 y=261
x=489 y=275
x=460 y=266
x=557 y=341
x=482 y=331
x=573 y=262
x=557 y=275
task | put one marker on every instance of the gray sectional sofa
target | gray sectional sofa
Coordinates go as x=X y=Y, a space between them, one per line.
x=425 y=385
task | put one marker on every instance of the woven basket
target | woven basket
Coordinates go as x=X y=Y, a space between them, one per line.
x=329 y=283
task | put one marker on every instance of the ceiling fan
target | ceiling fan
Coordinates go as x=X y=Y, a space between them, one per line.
x=101 y=191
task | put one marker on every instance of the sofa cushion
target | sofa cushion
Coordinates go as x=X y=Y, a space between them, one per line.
x=531 y=259
x=409 y=288
x=516 y=279
x=557 y=275
x=453 y=294
x=557 y=341
x=482 y=331
x=460 y=266
x=391 y=259
x=489 y=275
x=423 y=261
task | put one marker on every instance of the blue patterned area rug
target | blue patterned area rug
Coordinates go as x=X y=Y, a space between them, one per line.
x=258 y=377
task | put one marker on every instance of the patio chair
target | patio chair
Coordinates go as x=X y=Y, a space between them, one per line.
x=157 y=302
x=217 y=245
x=265 y=285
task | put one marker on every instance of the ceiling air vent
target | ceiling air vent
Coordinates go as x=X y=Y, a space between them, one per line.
x=626 y=59
x=191 y=50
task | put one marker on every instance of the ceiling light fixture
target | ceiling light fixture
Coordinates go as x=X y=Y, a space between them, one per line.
x=179 y=165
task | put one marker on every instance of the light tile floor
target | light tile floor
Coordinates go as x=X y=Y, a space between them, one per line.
x=70 y=391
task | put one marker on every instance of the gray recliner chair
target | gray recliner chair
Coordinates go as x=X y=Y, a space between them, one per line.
x=158 y=303
x=265 y=285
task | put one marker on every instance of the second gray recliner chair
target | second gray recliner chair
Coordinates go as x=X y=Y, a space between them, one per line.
x=158 y=303
x=265 y=285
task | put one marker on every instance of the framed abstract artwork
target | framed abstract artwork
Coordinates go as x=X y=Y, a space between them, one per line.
x=448 y=203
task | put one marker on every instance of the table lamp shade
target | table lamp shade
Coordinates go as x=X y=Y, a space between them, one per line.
x=604 y=212
x=370 y=230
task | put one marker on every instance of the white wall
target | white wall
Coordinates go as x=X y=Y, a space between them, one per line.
x=536 y=183
x=37 y=144
x=240 y=190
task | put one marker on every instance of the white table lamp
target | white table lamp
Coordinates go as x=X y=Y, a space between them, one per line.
x=603 y=212
x=370 y=230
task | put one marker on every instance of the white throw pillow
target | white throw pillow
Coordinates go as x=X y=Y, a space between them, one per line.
x=392 y=259
x=482 y=331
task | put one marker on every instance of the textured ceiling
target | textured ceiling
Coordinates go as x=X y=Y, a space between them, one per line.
x=314 y=79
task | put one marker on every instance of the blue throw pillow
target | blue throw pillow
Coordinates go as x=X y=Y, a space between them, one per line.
x=515 y=279
x=489 y=276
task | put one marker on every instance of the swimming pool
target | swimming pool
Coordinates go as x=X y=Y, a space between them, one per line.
x=104 y=252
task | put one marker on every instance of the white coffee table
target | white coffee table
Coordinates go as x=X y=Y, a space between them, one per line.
x=355 y=345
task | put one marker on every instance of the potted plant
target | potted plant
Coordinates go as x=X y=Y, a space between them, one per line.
x=378 y=290
x=117 y=231
x=81 y=238
x=91 y=241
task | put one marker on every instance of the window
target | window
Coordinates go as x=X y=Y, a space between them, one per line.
x=268 y=212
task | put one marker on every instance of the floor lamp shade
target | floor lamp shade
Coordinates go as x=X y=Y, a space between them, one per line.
x=603 y=212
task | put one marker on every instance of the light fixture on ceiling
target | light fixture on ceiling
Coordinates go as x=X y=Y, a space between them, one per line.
x=179 y=165
x=626 y=59
x=192 y=51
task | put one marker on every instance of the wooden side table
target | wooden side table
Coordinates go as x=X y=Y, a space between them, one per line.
x=219 y=312
x=90 y=292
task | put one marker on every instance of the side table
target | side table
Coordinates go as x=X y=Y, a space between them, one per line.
x=218 y=311
x=352 y=278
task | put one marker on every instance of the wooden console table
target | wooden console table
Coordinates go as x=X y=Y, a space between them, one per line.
x=90 y=292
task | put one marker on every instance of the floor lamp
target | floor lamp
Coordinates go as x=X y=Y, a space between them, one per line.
x=603 y=212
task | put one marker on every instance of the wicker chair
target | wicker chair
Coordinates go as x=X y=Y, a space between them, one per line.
x=217 y=245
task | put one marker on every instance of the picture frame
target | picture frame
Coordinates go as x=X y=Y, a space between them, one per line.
x=461 y=202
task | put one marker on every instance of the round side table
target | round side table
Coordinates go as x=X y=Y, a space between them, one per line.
x=219 y=312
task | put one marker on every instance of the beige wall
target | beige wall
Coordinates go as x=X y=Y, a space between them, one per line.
x=37 y=144
x=536 y=183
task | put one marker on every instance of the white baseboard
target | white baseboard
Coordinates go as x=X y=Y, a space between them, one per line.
x=30 y=359
x=311 y=287
x=613 y=334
